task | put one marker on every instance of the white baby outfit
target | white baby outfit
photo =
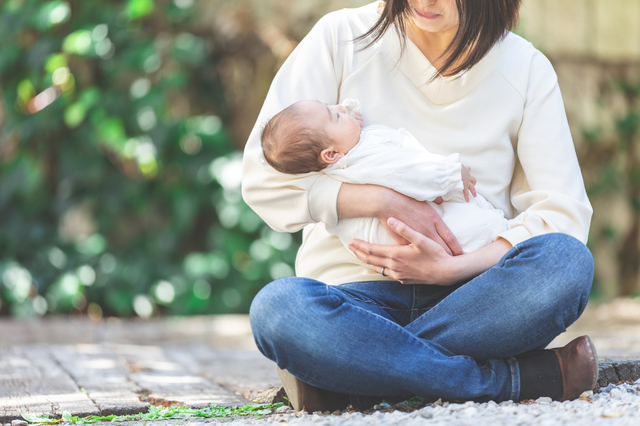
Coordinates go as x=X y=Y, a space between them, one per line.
x=395 y=159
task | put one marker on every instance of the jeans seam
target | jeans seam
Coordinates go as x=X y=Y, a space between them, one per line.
x=515 y=379
x=414 y=309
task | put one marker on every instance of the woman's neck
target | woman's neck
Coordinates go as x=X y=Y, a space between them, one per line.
x=431 y=44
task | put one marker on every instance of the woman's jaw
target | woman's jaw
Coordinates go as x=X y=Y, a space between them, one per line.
x=435 y=17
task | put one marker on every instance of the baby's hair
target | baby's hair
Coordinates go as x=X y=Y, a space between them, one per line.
x=289 y=147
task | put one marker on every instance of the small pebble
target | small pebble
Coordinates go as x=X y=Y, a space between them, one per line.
x=616 y=393
x=283 y=409
x=471 y=411
x=382 y=406
x=510 y=409
x=586 y=395
x=18 y=422
x=426 y=414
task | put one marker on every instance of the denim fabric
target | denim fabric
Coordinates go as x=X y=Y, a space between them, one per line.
x=455 y=342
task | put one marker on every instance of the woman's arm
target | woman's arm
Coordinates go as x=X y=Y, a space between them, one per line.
x=425 y=262
x=314 y=70
x=547 y=189
x=384 y=203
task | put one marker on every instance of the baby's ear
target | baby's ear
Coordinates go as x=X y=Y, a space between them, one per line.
x=330 y=156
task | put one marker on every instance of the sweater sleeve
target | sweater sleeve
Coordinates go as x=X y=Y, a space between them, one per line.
x=312 y=71
x=547 y=189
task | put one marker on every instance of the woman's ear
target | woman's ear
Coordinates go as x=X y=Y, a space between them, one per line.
x=330 y=156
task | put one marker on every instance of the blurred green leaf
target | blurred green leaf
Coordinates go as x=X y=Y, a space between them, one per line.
x=139 y=8
x=78 y=42
x=74 y=114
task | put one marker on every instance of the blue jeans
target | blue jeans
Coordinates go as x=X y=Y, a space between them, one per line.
x=451 y=342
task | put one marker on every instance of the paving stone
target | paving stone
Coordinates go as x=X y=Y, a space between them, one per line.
x=32 y=382
x=126 y=379
x=240 y=371
x=103 y=374
x=628 y=370
x=607 y=374
x=168 y=381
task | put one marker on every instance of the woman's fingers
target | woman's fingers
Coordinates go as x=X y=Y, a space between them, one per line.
x=404 y=231
x=450 y=240
x=372 y=254
x=365 y=252
x=401 y=263
x=395 y=236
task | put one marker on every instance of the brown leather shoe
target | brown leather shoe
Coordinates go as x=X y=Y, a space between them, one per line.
x=302 y=396
x=579 y=366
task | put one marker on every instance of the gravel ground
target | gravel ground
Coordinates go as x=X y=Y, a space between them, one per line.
x=617 y=405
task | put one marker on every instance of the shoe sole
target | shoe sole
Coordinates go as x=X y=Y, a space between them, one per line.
x=302 y=396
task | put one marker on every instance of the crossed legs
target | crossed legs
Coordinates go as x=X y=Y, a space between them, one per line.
x=383 y=338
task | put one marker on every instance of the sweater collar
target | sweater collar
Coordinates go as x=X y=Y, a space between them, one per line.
x=417 y=68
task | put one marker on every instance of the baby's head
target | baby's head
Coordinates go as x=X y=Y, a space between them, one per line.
x=309 y=135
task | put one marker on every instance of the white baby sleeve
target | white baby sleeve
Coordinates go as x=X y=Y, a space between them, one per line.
x=401 y=164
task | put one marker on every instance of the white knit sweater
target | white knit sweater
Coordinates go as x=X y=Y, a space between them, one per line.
x=505 y=117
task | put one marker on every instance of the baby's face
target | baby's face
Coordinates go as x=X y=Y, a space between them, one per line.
x=341 y=127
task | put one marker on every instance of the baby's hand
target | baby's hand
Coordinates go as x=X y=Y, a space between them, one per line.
x=357 y=116
x=468 y=183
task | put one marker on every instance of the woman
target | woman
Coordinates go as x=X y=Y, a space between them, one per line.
x=423 y=318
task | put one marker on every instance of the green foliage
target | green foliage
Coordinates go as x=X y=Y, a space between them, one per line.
x=119 y=182
x=162 y=413
x=612 y=165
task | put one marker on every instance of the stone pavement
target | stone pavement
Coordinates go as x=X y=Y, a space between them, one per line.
x=116 y=366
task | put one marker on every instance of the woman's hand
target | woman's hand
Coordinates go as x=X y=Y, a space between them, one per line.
x=383 y=203
x=422 y=218
x=423 y=261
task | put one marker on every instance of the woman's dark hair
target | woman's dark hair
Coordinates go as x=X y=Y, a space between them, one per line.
x=482 y=24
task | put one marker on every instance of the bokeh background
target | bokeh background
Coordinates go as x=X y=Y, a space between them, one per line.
x=122 y=124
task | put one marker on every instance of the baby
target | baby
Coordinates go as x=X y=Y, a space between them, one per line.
x=310 y=136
